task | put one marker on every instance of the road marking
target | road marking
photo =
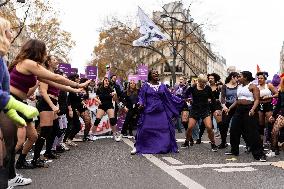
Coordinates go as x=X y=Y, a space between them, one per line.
x=180 y=140
x=183 y=179
x=231 y=169
x=221 y=165
x=172 y=161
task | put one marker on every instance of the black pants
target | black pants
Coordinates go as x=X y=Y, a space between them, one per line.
x=130 y=121
x=243 y=124
x=9 y=130
x=73 y=128
x=226 y=118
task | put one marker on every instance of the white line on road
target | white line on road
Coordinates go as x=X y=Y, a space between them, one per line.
x=172 y=161
x=205 y=142
x=233 y=169
x=183 y=179
x=221 y=165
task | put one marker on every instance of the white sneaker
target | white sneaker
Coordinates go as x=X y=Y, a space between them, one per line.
x=19 y=180
x=117 y=137
x=270 y=154
x=71 y=143
x=64 y=146
x=133 y=151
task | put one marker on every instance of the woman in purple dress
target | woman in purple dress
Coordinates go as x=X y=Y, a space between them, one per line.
x=155 y=129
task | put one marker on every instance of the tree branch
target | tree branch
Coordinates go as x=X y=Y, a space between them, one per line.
x=22 y=25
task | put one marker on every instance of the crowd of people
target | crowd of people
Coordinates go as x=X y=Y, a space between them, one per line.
x=41 y=106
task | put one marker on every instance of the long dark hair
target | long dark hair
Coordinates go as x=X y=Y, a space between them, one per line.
x=230 y=76
x=34 y=50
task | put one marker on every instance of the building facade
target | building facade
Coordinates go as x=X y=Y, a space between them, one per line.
x=282 y=59
x=186 y=53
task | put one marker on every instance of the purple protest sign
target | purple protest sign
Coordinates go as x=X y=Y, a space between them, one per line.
x=143 y=72
x=134 y=78
x=82 y=75
x=74 y=70
x=66 y=68
x=91 y=72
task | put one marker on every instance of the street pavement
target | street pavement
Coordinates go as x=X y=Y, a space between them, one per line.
x=106 y=164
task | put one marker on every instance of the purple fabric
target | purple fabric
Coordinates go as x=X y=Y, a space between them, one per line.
x=4 y=84
x=155 y=130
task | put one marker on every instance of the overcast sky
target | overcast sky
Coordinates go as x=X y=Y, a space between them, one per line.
x=244 y=32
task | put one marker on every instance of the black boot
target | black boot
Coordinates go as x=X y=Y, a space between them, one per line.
x=185 y=144
x=22 y=163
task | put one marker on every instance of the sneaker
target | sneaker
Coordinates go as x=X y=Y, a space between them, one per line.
x=50 y=156
x=39 y=163
x=10 y=187
x=191 y=142
x=198 y=141
x=71 y=143
x=117 y=137
x=87 y=139
x=214 y=148
x=19 y=180
x=185 y=144
x=231 y=153
x=223 y=145
x=59 y=149
x=247 y=150
x=270 y=154
x=262 y=158
x=64 y=146
x=133 y=151
x=24 y=165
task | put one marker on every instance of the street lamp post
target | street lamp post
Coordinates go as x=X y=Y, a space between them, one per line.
x=175 y=50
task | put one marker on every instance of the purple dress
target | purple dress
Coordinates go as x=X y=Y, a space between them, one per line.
x=155 y=130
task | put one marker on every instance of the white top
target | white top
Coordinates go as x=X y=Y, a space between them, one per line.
x=244 y=93
x=155 y=87
x=264 y=91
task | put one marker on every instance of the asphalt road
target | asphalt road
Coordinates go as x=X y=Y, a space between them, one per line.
x=106 y=164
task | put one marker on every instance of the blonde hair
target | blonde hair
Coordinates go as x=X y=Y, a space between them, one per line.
x=4 y=42
x=202 y=78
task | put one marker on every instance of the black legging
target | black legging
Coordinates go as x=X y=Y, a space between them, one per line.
x=73 y=128
x=224 y=126
x=9 y=130
x=130 y=121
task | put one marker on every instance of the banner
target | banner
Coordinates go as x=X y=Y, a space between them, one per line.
x=66 y=68
x=104 y=126
x=134 y=78
x=143 y=72
x=82 y=75
x=150 y=32
x=91 y=72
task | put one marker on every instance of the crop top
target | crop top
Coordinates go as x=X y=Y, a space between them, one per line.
x=244 y=93
x=21 y=81
x=264 y=91
x=53 y=91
